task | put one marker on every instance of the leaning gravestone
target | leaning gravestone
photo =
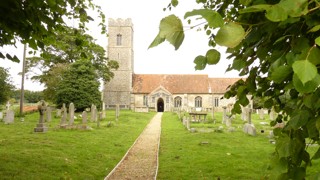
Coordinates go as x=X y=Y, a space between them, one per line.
x=248 y=127
x=63 y=122
x=48 y=114
x=9 y=118
x=41 y=127
x=71 y=114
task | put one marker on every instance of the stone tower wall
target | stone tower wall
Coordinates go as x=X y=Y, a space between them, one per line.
x=118 y=90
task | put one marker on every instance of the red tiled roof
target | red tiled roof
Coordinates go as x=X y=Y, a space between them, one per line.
x=180 y=83
x=220 y=85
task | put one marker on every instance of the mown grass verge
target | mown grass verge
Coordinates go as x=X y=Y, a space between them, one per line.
x=215 y=154
x=67 y=153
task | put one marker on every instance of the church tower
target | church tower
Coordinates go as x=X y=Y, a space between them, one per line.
x=120 y=48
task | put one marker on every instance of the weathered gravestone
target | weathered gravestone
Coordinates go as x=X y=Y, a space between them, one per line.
x=71 y=114
x=1 y=115
x=63 y=122
x=41 y=126
x=58 y=113
x=9 y=118
x=48 y=114
x=249 y=127
x=84 y=120
x=224 y=116
x=93 y=113
x=103 y=110
x=272 y=115
x=261 y=113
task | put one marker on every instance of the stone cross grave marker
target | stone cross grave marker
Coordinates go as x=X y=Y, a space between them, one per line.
x=248 y=127
x=41 y=126
x=9 y=118
x=71 y=114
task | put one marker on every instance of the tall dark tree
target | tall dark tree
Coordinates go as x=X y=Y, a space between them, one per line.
x=37 y=22
x=6 y=86
x=275 y=44
x=79 y=85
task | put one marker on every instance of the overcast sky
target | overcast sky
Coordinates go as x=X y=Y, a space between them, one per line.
x=163 y=59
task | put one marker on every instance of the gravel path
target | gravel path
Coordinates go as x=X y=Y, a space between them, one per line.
x=141 y=161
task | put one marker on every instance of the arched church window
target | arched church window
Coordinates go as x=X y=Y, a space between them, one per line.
x=119 y=39
x=177 y=101
x=198 y=101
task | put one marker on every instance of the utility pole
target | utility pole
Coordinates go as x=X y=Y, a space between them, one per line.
x=22 y=80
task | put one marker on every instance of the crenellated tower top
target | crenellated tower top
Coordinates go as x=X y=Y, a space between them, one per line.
x=120 y=22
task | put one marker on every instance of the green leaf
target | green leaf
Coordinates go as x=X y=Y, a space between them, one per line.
x=158 y=40
x=317 y=154
x=2 y=56
x=174 y=2
x=255 y=8
x=314 y=29
x=283 y=146
x=305 y=70
x=317 y=41
x=170 y=29
x=230 y=35
x=312 y=129
x=280 y=74
x=295 y=8
x=213 y=56
x=245 y=2
x=307 y=87
x=276 y=14
x=299 y=118
x=314 y=55
x=200 y=62
x=268 y=103
x=212 y=17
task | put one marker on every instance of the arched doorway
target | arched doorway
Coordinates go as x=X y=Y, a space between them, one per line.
x=160 y=105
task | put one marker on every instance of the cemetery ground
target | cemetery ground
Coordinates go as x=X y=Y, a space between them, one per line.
x=208 y=153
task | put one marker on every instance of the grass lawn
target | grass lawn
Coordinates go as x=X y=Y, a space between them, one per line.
x=228 y=155
x=67 y=154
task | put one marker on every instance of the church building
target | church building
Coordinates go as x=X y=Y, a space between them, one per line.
x=156 y=92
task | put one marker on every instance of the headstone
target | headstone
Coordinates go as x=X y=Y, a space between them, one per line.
x=248 y=127
x=103 y=110
x=213 y=118
x=93 y=113
x=272 y=115
x=9 y=118
x=41 y=126
x=96 y=114
x=224 y=116
x=1 y=115
x=99 y=119
x=71 y=114
x=63 y=123
x=48 y=114
x=58 y=113
x=84 y=117
x=261 y=113
x=188 y=123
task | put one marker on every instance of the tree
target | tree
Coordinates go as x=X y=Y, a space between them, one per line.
x=29 y=96
x=36 y=22
x=80 y=86
x=275 y=44
x=6 y=86
x=69 y=47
